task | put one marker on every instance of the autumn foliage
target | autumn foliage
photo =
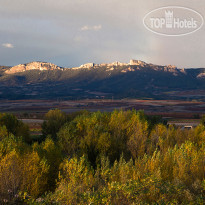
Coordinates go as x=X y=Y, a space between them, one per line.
x=122 y=157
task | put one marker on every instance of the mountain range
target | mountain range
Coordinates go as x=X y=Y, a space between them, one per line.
x=136 y=79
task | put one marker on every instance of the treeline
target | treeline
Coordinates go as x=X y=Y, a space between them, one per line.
x=122 y=157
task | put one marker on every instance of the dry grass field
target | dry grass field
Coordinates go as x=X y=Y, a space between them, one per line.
x=35 y=109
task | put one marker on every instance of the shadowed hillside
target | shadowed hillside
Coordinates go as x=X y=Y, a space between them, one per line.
x=136 y=79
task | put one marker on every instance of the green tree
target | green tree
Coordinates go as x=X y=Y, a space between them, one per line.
x=10 y=121
x=15 y=126
x=203 y=120
x=54 y=120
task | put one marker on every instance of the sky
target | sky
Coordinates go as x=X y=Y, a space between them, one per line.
x=69 y=33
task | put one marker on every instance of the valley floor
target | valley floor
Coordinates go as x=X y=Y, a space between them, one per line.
x=165 y=108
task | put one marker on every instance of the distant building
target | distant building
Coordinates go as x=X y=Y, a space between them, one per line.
x=184 y=125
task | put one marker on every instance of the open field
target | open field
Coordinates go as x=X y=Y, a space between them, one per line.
x=26 y=109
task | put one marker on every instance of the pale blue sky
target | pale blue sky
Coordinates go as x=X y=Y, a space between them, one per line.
x=72 y=32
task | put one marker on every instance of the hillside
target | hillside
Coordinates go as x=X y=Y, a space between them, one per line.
x=137 y=79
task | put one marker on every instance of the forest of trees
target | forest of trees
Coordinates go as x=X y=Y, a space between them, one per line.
x=121 y=157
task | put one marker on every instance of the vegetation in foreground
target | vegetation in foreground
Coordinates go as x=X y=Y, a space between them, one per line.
x=123 y=157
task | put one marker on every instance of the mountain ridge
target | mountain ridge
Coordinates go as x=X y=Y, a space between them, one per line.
x=136 y=79
x=38 y=65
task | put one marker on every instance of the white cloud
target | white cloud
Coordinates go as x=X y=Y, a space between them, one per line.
x=91 y=28
x=8 y=45
x=72 y=26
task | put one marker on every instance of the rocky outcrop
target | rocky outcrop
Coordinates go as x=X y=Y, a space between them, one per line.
x=133 y=65
x=183 y=71
x=117 y=63
x=201 y=75
x=87 y=65
x=33 y=66
x=170 y=68
x=127 y=70
x=137 y=62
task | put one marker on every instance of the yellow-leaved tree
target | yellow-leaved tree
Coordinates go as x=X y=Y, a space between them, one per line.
x=25 y=173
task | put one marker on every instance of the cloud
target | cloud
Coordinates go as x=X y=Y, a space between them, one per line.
x=74 y=32
x=91 y=28
x=8 y=45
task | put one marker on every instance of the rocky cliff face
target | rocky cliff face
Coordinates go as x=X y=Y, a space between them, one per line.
x=32 y=66
x=137 y=62
x=135 y=79
x=131 y=66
